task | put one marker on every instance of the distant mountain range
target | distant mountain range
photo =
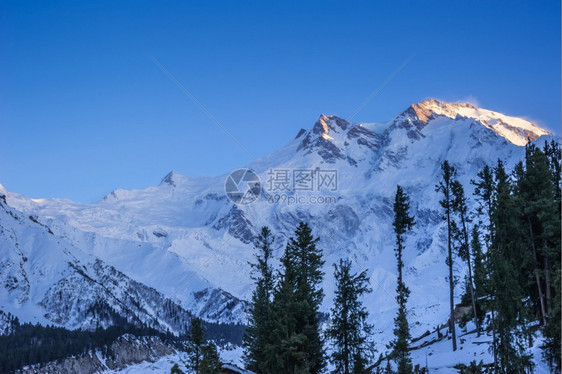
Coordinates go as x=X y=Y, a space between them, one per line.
x=162 y=254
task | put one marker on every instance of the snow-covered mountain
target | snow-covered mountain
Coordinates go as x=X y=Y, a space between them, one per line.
x=184 y=245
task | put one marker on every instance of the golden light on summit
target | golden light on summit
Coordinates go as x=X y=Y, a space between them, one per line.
x=326 y=130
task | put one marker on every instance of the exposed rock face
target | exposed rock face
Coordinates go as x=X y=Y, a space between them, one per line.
x=238 y=225
x=127 y=350
x=214 y=304
x=319 y=139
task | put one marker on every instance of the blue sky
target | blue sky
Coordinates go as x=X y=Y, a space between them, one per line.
x=84 y=109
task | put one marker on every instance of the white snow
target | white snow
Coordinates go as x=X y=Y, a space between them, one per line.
x=197 y=252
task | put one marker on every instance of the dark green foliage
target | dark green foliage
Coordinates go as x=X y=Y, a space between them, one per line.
x=257 y=335
x=176 y=370
x=32 y=344
x=210 y=360
x=552 y=330
x=224 y=333
x=554 y=155
x=536 y=190
x=472 y=368
x=539 y=188
x=296 y=344
x=349 y=331
x=194 y=346
x=402 y=223
x=202 y=355
x=448 y=174
x=507 y=257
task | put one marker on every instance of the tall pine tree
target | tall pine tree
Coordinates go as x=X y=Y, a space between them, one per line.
x=202 y=355
x=448 y=174
x=257 y=335
x=349 y=331
x=507 y=255
x=460 y=207
x=210 y=361
x=553 y=331
x=402 y=223
x=296 y=343
x=539 y=191
x=195 y=345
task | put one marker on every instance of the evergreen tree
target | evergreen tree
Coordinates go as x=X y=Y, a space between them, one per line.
x=210 y=360
x=539 y=189
x=349 y=331
x=257 y=334
x=402 y=223
x=459 y=206
x=536 y=194
x=554 y=155
x=195 y=345
x=176 y=370
x=296 y=345
x=448 y=174
x=507 y=255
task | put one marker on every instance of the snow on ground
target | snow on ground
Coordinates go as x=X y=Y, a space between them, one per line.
x=437 y=355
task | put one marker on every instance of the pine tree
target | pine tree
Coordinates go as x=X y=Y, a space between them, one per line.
x=445 y=187
x=296 y=344
x=459 y=206
x=349 y=331
x=539 y=189
x=536 y=194
x=176 y=370
x=195 y=345
x=552 y=330
x=210 y=360
x=507 y=255
x=257 y=335
x=554 y=154
x=402 y=223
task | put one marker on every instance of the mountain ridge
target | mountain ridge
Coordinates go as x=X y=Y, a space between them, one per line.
x=186 y=240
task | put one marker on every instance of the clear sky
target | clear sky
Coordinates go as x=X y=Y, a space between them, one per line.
x=85 y=110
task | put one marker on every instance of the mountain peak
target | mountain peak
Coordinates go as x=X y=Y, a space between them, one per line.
x=516 y=130
x=426 y=108
x=328 y=124
x=171 y=178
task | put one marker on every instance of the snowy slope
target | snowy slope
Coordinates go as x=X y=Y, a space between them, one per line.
x=47 y=279
x=186 y=240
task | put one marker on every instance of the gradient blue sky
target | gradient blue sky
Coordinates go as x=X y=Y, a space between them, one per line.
x=84 y=110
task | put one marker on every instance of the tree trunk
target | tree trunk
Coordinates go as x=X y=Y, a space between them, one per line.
x=451 y=282
x=494 y=342
x=537 y=275
x=472 y=293
x=547 y=281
